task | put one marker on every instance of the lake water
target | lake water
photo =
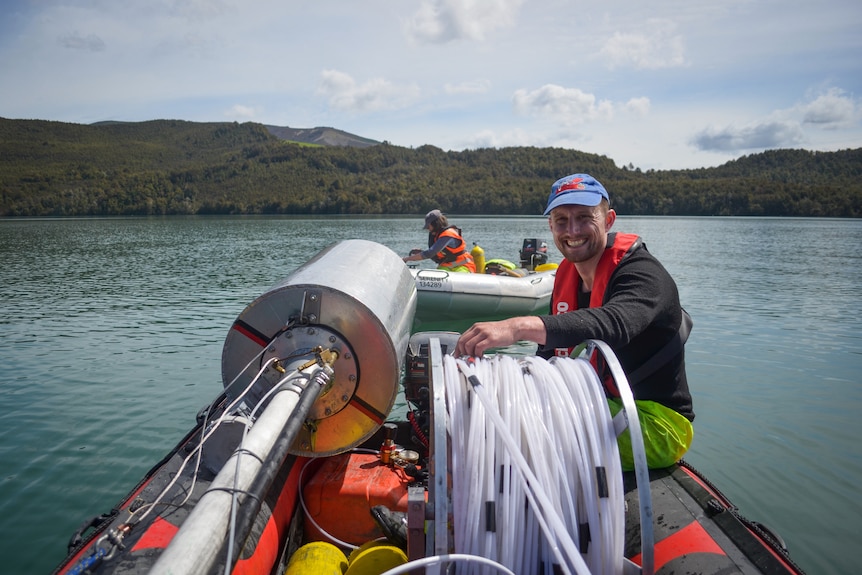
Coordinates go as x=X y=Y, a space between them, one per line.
x=111 y=333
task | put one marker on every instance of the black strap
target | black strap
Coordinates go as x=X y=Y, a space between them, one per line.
x=665 y=354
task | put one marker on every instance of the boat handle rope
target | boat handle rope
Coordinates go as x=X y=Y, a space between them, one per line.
x=92 y=523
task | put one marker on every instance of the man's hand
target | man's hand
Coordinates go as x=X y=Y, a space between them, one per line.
x=484 y=335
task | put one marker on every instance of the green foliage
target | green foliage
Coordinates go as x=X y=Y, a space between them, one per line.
x=176 y=167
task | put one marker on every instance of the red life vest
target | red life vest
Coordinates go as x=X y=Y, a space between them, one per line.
x=567 y=281
x=455 y=257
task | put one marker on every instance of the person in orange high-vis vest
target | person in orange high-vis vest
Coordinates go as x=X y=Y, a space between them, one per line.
x=611 y=288
x=445 y=245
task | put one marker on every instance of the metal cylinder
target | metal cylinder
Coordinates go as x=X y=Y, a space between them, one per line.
x=355 y=296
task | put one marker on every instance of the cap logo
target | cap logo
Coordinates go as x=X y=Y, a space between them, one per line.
x=574 y=184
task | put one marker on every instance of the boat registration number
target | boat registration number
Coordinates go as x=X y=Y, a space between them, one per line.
x=431 y=284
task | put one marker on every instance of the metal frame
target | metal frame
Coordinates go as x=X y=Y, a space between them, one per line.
x=438 y=484
x=628 y=418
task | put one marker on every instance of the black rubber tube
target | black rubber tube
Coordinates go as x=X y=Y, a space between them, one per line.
x=274 y=461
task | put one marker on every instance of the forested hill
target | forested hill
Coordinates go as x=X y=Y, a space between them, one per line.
x=177 y=167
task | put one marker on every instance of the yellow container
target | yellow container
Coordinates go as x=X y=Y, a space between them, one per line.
x=375 y=558
x=546 y=267
x=478 y=258
x=318 y=558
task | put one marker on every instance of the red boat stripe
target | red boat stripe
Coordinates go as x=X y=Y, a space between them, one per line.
x=266 y=551
x=157 y=535
x=250 y=332
x=368 y=409
x=692 y=538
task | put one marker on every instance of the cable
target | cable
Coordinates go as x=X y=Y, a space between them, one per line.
x=199 y=447
x=207 y=434
x=530 y=431
x=309 y=517
x=451 y=558
x=546 y=515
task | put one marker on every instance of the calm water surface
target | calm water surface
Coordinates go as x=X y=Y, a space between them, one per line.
x=111 y=333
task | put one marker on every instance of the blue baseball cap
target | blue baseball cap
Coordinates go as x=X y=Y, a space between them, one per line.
x=579 y=189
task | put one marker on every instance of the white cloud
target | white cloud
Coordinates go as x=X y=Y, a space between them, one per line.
x=761 y=136
x=784 y=128
x=832 y=110
x=564 y=105
x=638 y=106
x=514 y=137
x=655 y=45
x=441 y=21
x=240 y=111
x=377 y=94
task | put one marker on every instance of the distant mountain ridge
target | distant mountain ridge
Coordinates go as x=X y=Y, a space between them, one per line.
x=166 y=167
x=322 y=136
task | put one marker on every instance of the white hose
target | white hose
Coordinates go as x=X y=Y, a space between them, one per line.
x=533 y=447
x=452 y=558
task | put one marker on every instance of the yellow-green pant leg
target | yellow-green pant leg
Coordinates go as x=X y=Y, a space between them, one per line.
x=667 y=434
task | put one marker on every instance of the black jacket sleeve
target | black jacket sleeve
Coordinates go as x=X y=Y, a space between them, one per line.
x=640 y=314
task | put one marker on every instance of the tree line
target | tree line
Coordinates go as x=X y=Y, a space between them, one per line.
x=168 y=167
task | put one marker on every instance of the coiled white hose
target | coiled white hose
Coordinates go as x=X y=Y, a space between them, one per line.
x=536 y=476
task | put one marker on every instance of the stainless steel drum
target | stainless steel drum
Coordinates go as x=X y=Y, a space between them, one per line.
x=356 y=297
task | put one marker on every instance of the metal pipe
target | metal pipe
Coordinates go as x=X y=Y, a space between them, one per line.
x=195 y=547
x=275 y=460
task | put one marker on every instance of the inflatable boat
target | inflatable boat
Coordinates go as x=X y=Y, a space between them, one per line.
x=453 y=301
x=343 y=444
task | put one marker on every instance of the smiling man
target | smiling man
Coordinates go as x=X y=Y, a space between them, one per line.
x=609 y=287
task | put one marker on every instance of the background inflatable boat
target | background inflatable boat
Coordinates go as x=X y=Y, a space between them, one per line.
x=454 y=301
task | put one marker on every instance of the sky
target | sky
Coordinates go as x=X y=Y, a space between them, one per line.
x=665 y=84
